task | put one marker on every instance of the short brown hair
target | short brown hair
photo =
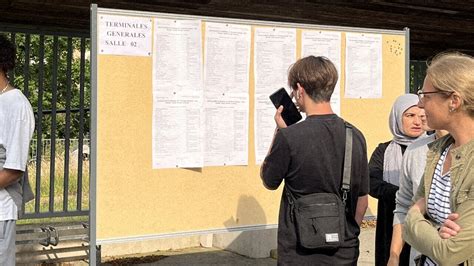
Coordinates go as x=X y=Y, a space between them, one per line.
x=317 y=75
x=454 y=72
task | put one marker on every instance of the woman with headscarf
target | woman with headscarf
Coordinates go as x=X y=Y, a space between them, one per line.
x=384 y=168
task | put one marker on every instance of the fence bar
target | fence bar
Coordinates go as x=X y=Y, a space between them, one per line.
x=63 y=111
x=26 y=92
x=54 y=214
x=68 y=124
x=34 y=29
x=416 y=69
x=54 y=100
x=11 y=73
x=39 y=127
x=26 y=66
x=81 y=125
x=423 y=67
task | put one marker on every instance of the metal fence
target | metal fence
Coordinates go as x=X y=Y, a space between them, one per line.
x=60 y=150
x=64 y=178
x=53 y=72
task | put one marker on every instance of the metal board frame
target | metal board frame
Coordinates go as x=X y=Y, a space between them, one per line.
x=93 y=183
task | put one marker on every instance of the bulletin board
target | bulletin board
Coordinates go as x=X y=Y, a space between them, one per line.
x=130 y=201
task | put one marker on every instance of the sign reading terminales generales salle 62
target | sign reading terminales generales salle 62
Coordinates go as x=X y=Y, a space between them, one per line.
x=120 y=35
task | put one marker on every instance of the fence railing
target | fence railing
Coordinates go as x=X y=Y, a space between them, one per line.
x=53 y=71
x=62 y=184
x=61 y=149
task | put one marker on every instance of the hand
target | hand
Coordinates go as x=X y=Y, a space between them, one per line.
x=278 y=119
x=449 y=228
x=393 y=261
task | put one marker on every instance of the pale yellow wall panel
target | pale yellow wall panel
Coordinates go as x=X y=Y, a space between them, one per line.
x=371 y=115
x=133 y=199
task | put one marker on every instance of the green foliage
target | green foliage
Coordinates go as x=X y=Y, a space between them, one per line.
x=59 y=179
x=51 y=73
x=417 y=74
x=58 y=192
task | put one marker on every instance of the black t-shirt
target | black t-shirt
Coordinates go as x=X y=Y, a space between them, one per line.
x=309 y=156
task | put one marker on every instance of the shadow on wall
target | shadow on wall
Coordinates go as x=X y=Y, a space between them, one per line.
x=255 y=243
x=249 y=211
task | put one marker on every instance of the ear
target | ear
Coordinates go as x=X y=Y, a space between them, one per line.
x=456 y=101
x=299 y=88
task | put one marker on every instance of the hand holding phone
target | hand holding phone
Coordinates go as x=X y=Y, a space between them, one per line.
x=290 y=113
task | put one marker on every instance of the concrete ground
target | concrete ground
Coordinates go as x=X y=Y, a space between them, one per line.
x=200 y=256
x=214 y=256
x=367 y=247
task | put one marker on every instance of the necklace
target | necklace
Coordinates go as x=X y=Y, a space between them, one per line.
x=4 y=89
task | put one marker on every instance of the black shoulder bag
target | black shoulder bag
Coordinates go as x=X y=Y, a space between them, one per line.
x=320 y=217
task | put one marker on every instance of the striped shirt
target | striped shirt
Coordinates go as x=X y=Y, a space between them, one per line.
x=438 y=200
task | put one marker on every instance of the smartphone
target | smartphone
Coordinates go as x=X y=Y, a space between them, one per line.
x=290 y=113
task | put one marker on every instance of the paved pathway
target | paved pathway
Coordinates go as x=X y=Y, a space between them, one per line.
x=214 y=256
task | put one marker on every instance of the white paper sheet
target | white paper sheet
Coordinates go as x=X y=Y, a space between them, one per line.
x=227 y=58
x=275 y=51
x=122 y=35
x=327 y=44
x=363 y=65
x=226 y=102
x=177 y=94
x=178 y=55
x=226 y=135
x=177 y=134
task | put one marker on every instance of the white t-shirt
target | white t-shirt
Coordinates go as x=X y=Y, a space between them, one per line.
x=17 y=123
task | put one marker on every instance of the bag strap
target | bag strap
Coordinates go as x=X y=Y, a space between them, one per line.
x=291 y=201
x=346 y=176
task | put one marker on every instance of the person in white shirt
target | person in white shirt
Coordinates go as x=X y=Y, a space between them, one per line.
x=17 y=124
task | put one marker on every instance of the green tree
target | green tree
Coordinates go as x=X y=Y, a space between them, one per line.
x=60 y=67
x=417 y=74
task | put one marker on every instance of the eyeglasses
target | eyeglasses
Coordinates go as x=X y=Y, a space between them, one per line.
x=422 y=94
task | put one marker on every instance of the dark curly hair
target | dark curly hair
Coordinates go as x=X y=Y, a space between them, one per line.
x=7 y=54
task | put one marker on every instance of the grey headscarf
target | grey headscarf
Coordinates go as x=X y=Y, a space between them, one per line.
x=393 y=154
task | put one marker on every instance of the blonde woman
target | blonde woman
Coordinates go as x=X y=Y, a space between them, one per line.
x=441 y=223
